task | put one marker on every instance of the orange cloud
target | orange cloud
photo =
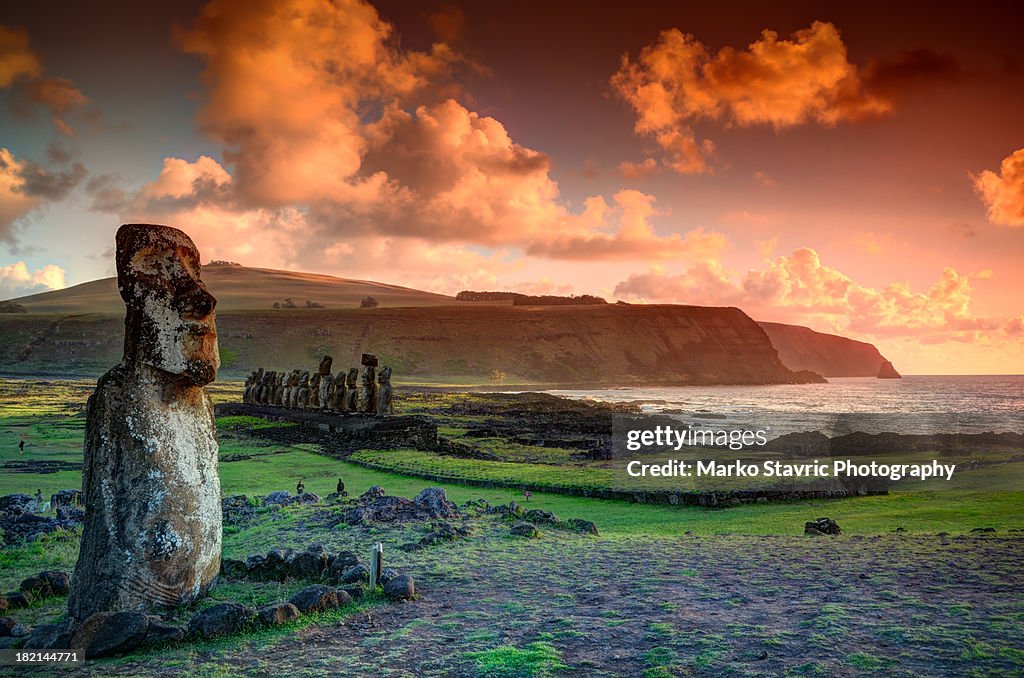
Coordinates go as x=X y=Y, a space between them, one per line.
x=781 y=83
x=17 y=60
x=638 y=170
x=14 y=201
x=800 y=288
x=17 y=280
x=365 y=145
x=1003 y=193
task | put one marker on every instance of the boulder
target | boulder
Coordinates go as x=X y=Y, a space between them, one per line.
x=359 y=573
x=105 y=634
x=6 y=625
x=522 y=528
x=232 y=569
x=316 y=598
x=344 y=597
x=50 y=636
x=308 y=564
x=435 y=499
x=160 y=632
x=538 y=516
x=18 y=599
x=387 y=574
x=308 y=498
x=821 y=526
x=221 y=620
x=15 y=502
x=59 y=582
x=401 y=587
x=35 y=585
x=279 y=498
x=375 y=492
x=582 y=526
x=342 y=563
x=278 y=613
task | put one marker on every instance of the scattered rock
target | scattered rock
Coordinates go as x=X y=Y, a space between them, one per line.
x=359 y=573
x=105 y=634
x=279 y=498
x=582 y=526
x=435 y=499
x=50 y=636
x=401 y=587
x=344 y=597
x=821 y=526
x=544 y=517
x=59 y=582
x=18 y=599
x=387 y=574
x=983 y=529
x=354 y=592
x=509 y=510
x=36 y=586
x=375 y=492
x=310 y=564
x=524 y=529
x=221 y=620
x=6 y=625
x=316 y=598
x=160 y=632
x=278 y=613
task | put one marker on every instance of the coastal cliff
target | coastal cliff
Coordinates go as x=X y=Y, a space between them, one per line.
x=830 y=355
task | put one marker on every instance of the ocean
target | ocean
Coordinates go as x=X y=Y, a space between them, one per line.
x=912 y=405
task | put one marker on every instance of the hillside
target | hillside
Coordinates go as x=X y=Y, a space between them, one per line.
x=460 y=344
x=240 y=288
x=430 y=337
x=830 y=355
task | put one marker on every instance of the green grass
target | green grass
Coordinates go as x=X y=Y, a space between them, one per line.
x=536 y=659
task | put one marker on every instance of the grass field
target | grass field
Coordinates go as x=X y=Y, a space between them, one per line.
x=664 y=590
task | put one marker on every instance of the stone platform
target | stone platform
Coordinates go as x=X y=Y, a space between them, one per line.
x=339 y=434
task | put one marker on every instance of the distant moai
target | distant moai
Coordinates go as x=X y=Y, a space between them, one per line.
x=279 y=388
x=152 y=533
x=325 y=392
x=302 y=394
x=314 y=391
x=368 y=397
x=385 y=395
x=352 y=390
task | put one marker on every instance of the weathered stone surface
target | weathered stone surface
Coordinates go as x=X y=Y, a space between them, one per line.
x=278 y=613
x=152 y=532
x=105 y=634
x=316 y=598
x=385 y=393
x=352 y=390
x=368 y=391
x=160 y=632
x=221 y=620
x=821 y=526
x=18 y=599
x=435 y=499
x=522 y=528
x=356 y=574
x=50 y=636
x=582 y=526
x=401 y=587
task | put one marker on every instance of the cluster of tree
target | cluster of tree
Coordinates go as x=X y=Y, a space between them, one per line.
x=290 y=303
x=369 y=302
x=223 y=262
x=519 y=299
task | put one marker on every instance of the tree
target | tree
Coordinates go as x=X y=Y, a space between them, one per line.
x=369 y=302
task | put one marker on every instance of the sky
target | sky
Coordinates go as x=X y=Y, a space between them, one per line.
x=857 y=168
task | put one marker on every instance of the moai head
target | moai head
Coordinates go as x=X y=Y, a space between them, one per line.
x=315 y=379
x=325 y=365
x=170 y=322
x=304 y=379
x=353 y=377
x=384 y=376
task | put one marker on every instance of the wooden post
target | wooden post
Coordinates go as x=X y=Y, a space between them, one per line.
x=376 y=565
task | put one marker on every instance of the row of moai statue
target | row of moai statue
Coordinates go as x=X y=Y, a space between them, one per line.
x=320 y=390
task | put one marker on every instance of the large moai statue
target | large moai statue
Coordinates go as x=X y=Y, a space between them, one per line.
x=325 y=392
x=352 y=390
x=385 y=395
x=368 y=397
x=152 y=534
x=266 y=386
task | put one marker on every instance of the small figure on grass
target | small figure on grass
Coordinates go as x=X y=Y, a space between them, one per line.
x=21 y=445
x=341 y=488
x=527 y=494
x=300 y=488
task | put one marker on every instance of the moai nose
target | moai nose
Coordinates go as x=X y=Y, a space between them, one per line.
x=197 y=303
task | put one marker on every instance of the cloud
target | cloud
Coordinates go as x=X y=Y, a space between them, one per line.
x=16 y=280
x=639 y=170
x=370 y=145
x=1003 y=193
x=781 y=83
x=17 y=60
x=15 y=203
x=800 y=288
x=22 y=70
